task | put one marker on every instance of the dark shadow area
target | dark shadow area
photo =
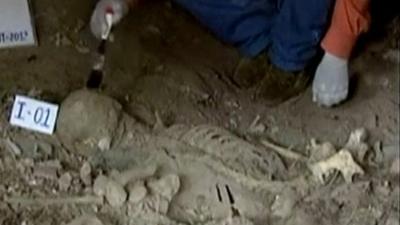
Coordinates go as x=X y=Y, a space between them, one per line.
x=383 y=14
x=354 y=85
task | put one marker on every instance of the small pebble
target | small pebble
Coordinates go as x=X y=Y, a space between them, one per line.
x=256 y=127
x=104 y=144
x=65 y=181
x=393 y=220
x=45 y=172
x=3 y=190
x=51 y=163
x=86 y=174
x=167 y=186
x=14 y=148
x=25 y=166
x=284 y=204
x=115 y=194
x=392 y=55
x=86 y=220
x=80 y=24
x=137 y=192
x=46 y=148
x=301 y=217
x=100 y=184
x=82 y=49
x=395 y=167
x=62 y=40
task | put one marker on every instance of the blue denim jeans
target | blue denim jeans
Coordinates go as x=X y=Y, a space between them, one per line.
x=289 y=30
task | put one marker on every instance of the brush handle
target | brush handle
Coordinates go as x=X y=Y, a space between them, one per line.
x=96 y=75
x=109 y=22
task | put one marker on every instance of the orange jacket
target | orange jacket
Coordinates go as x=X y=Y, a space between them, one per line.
x=350 y=19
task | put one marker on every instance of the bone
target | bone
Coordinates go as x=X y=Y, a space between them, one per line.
x=342 y=161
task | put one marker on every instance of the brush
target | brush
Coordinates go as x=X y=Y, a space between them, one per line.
x=96 y=74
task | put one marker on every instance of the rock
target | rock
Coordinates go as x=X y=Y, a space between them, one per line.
x=82 y=48
x=100 y=185
x=320 y=151
x=283 y=204
x=236 y=221
x=167 y=186
x=137 y=192
x=392 y=55
x=115 y=194
x=28 y=145
x=134 y=174
x=393 y=220
x=156 y=203
x=391 y=151
x=364 y=216
x=12 y=147
x=87 y=117
x=51 y=163
x=104 y=144
x=357 y=145
x=256 y=127
x=45 y=147
x=153 y=29
x=61 y=40
x=80 y=24
x=47 y=170
x=301 y=218
x=86 y=174
x=351 y=194
x=379 y=156
x=86 y=220
x=65 y=181
x=395 y=167
x=27 y=164
x=377 y=212
x=34 y=92
x=383 y=189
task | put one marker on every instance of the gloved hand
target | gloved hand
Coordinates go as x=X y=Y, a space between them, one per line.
x=331 y=81
x=98 y=23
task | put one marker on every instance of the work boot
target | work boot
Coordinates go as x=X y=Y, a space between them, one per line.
x=250 y=71
x=269 y=82
x=278 y=86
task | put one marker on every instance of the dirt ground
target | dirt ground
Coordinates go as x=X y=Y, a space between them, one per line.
x=165 y=70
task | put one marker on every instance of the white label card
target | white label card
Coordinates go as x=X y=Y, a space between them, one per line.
x=16 y=25
x=34 y=115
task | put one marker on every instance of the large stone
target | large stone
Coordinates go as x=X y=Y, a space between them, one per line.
x=86 y=119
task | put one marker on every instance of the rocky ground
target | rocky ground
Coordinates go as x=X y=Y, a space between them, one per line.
x=169 y=140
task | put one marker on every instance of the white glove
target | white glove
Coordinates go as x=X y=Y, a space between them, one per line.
x=331 y=81
x=98 y=23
